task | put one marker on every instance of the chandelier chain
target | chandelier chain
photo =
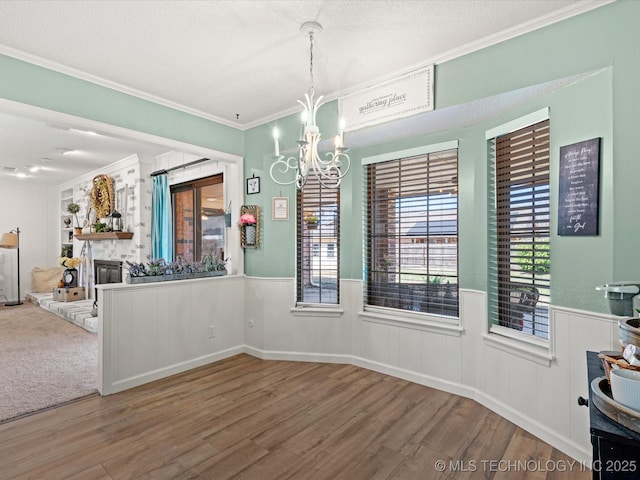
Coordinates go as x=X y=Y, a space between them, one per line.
x=311 y=91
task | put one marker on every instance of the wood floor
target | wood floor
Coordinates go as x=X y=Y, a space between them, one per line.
x=246 y=418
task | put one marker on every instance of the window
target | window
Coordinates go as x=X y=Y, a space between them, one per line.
x=318 y=244
x=198 y=218
x=411 y=252
x=519 y=242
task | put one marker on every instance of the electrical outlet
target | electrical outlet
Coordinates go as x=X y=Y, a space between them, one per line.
x=212 y=331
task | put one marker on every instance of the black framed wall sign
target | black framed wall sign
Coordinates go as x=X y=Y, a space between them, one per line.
x=253 y=185
x=578 y=193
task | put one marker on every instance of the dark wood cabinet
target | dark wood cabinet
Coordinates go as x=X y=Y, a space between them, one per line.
x=616 y=449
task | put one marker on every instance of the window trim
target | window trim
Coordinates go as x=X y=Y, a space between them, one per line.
x=530 y=347
x=417 y=321
x=518 y=123
x=317 y=310
x=411 y=152
x=396 y=317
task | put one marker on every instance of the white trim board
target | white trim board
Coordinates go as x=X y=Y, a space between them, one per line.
x=411 y=152
x=518 y=123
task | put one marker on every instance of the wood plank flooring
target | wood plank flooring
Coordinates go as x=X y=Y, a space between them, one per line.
x=245 y=418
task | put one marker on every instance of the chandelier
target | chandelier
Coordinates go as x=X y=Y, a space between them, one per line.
x=328 y=171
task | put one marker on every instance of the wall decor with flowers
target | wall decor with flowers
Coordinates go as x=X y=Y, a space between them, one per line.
x=249 y=224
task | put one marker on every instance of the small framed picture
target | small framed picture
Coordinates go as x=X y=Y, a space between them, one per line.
x=253 y=185
x=280 y=208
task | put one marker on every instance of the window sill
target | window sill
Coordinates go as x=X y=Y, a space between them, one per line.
x=317 y=311
x=427 y=323
x=521 y=345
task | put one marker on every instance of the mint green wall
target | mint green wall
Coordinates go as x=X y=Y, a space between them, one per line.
x=600 y=41
x=33 y=85
x=581 y=112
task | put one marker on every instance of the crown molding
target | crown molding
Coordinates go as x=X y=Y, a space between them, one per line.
x=79 y=74
x=577 y=8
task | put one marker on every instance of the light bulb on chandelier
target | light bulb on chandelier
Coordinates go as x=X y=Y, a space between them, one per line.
x=328 y=171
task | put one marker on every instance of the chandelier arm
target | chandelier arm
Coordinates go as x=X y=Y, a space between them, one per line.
x=306 y=106
x=334 y=158
x=330 y=162
x=302 y=171
x=335 y=184
x=346 y=165
x=285 y=166
x=332 y=169
x=316 y=106
x=346 y=170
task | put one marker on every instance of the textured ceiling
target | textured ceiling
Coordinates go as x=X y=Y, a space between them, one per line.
x=246 y=62
x=249 y=58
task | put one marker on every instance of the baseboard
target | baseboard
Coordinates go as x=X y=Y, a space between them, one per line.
x=541 y=431
x=297 y=356
x=151 y=376
x=569 y=447
x=415 y=377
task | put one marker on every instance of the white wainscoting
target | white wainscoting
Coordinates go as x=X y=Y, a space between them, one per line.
x=278 y=333
x=150 y=331
x=155 y=330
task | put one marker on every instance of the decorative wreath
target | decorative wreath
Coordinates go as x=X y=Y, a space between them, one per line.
x=102 y=195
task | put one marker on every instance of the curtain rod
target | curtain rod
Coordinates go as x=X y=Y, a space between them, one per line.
x=163 y=172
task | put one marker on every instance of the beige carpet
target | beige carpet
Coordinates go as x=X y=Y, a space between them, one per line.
x=44 y=360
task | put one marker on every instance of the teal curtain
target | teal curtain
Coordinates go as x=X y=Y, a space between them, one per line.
x=161 y=237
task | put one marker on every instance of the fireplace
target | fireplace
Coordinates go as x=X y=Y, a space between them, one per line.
x=105 y=271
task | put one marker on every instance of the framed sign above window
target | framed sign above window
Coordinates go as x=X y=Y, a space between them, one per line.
x=253 y=185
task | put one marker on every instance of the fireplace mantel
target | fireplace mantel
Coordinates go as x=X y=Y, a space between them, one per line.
x=105 y=236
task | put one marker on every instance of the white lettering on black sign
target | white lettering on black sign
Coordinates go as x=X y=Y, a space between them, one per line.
x=578 y=200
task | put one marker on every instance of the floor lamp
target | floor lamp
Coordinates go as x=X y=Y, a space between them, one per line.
x=12 y=240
